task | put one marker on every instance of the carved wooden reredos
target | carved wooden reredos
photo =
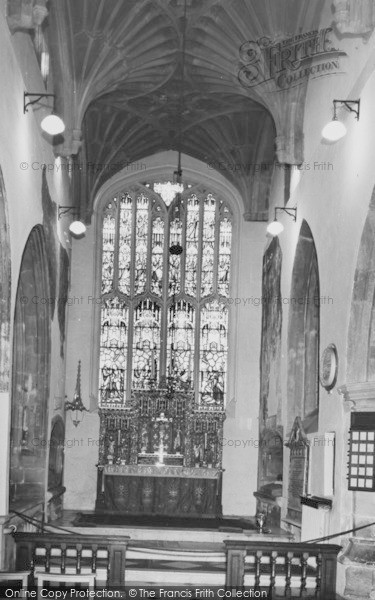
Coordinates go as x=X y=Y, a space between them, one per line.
x=162 y=426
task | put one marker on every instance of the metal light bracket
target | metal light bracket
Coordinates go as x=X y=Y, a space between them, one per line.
x=351 y=105
x=38 y=95
x=292 y=212
x=66 y=210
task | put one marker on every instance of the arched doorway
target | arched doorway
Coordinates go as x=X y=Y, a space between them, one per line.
x=30 y=381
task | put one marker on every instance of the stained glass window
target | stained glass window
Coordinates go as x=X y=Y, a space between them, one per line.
x=165 y=277
x=213 y=353
x=146 y=343
x=113 y=350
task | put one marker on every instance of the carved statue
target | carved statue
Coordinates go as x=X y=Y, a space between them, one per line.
x=198 y=454
x=177 y=441
x=144 y=440
x=111 y=448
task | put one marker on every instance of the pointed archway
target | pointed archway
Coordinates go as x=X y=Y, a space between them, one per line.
x=303 y=334
x=30 y=380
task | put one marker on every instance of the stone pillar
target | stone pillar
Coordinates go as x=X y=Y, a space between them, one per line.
x=289 y=141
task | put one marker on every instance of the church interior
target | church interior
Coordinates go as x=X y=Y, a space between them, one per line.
x=187 y=285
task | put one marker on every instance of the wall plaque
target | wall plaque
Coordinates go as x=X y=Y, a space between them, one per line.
x=298 y=470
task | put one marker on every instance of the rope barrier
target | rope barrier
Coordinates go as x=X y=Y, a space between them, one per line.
x=333 y=535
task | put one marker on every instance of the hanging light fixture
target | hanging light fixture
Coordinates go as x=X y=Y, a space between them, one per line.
x=52 y=124
x=177 y=175
x=168 y=190
x=178 y=187
x=275 y=227
x=77 y=228
x=77 y=407
x=335 y=129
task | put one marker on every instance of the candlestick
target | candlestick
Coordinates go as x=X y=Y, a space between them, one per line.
x=205 y=441
x=118 y=437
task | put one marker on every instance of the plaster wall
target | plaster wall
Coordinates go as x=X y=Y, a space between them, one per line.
x=333 y=195
x=23 y=151
x=241 y=429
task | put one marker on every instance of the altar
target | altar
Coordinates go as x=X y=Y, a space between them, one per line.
x=161 y=456
x=162 y=490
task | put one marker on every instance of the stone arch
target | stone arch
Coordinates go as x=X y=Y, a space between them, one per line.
x=5 y=290
x=303 y=333
x=31 y=370
x=361 y=337
x=270 y=429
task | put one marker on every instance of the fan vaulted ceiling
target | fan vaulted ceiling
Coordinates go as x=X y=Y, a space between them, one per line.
x=120 y=76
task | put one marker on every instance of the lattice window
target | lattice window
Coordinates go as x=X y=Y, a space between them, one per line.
x=164 y=314
x=362 y=452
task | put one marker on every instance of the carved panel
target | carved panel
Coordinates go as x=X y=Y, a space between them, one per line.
x=298 y=470
x=161 y=428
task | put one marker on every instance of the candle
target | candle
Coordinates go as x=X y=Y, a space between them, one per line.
x=118 y=437
x=205 y=441
x=29 y=384
x=171 y=363
x=153 y=364
x=24 y=424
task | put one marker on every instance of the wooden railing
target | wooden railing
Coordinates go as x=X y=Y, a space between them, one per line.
x=283 y=568
x=72 y=553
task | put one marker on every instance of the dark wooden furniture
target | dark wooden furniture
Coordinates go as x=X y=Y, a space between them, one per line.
x=308 y=570
x=162 y=490
x=75 y=554
x=161 y=455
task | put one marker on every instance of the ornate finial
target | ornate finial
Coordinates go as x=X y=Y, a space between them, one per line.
x=76 y=406
x=77 y=394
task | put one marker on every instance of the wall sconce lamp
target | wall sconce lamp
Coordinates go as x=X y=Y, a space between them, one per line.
x=335 y=129
x=52 y=124
x=76 y=406
x=76 y=227
x=276 y=227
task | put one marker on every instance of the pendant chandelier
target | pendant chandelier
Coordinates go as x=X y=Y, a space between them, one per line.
x=178 y=186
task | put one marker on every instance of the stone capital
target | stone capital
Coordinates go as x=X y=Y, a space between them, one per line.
x=359 y=396
x=72 y=143
x=25 y=14
x=289 y=147
x=354 y=16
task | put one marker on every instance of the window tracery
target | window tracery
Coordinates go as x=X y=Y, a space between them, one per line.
x=164 y=314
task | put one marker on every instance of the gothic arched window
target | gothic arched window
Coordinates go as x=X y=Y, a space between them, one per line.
x=165 y=275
